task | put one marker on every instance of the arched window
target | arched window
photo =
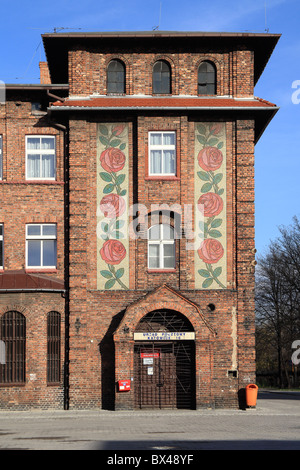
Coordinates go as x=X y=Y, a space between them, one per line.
x=161 y=78
x=116 y=77
x=13 y=335
x=161 y=247
x=53 y=347
x=206 y=79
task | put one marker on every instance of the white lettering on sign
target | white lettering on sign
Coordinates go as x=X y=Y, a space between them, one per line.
x=164 y=335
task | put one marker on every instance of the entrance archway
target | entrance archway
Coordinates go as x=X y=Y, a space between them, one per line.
x=164 y=361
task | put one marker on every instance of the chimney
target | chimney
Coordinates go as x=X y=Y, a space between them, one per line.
x=44 y=73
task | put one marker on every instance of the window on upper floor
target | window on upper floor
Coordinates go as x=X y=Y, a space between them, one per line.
x=40 y=157
x=206 y=78
x=13 y=336
x=1 y=247
x=161 y=78
x=116 y=77
x=41 y=251
x=161 y=247
x=162 y=153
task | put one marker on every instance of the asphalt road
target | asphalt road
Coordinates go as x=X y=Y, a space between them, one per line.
x=273 y=425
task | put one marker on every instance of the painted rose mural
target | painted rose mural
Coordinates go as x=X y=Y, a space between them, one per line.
x=210 y=205
x=112 y=205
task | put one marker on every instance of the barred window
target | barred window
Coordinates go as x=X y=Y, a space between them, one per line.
x=53 y=347
x=13 y=335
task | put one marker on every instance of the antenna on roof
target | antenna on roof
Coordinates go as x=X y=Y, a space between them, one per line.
x=266 y=29
x=55 y=30
x=155 y=28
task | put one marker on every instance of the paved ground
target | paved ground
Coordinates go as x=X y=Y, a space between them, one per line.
x=274 y=424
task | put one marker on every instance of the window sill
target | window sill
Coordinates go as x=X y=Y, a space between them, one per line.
x=160 y=271
x=161 y=177
x=41 y=270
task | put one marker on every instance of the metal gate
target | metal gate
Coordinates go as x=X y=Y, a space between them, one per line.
x=164 y=374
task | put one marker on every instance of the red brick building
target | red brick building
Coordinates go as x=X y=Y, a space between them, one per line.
x=127 y=243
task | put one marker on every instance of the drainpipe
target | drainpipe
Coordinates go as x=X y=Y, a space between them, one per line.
x=66 y=263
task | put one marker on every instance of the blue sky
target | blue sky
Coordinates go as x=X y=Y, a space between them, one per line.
x=277 y=153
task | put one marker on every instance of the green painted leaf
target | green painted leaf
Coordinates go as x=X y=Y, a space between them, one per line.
x=203 y=273
x=119 y=273
x=122 y=146
x=220 y=145
x=106 y=274
x=221 y=191
x=218 y=178
x=202 y=226
x=203 y=175
x=109 y=284
x=123 y=192
x=120 y=179
x=104 y=237
x=104 y=140
x=117 y=235
x=115 y=143
x=207 y=283
x=214 y=233
x=201 y=129
x=216 y=223
x=213 y=141
x=206 y=187
x=218 y=271
x=104 y=130
x=201 y=139
x=120 y=223
x=108 y=188
x=106 y=176
x=104 y=227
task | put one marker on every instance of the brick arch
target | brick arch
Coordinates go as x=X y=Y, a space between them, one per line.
x=170 y=61
x=164 y=298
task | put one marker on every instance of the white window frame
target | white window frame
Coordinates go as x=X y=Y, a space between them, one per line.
x=41 y=152
x=1 y=157
x=161 y=147
x=161 y=243
x=2 y=243
x=41 y=238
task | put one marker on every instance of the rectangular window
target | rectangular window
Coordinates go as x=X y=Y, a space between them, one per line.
x=1 y=158
x=41 y=249
x=40 y=157
x=162 y=153
x=1 y=247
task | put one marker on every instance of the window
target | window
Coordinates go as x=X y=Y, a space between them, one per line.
x=13 y=335
x=161 y=247
x=40 y=157
x=53 y=347
x=116 y=77
x=41 y=246
x=162 y=153
x=206 y=79
x=161 y=78
x=1 y=158
x=1 y=247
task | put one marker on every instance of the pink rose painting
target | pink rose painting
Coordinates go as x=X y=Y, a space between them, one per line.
x=210 y=202
x=112 y=192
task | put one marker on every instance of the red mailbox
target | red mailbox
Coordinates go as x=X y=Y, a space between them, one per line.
x=124 y=385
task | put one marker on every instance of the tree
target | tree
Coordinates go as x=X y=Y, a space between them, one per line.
x=278 y=302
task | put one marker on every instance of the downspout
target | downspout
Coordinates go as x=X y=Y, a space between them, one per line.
x=66 y=264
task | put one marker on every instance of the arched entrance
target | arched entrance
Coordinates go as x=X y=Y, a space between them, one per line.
x=164 y=361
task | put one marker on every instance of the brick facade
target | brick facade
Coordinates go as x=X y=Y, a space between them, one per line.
x=98 y=326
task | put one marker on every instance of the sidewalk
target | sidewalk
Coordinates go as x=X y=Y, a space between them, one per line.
x=273 y=424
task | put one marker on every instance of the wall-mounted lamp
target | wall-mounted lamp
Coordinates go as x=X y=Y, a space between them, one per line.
x=77 y=325
x=126 y=329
